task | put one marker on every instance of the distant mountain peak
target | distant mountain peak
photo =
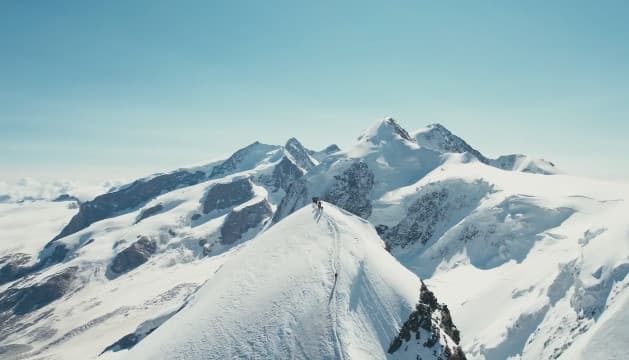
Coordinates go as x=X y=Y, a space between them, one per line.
x=438 y=138
x=385 y=129
x=299 y=154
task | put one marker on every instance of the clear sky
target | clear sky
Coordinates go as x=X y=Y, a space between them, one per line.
x=110 y=89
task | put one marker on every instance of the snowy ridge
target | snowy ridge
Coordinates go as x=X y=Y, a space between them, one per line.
x=287 y=300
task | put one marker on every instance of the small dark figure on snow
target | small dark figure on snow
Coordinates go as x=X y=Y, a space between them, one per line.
x=320 y=206
x=336 y=275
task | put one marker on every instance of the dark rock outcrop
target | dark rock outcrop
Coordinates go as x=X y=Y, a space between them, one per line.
x=146 y=213
x=133 y=256
x=439 y=206
x=127 y=198
x=422 y=218
x=297 y=196
x=440 y=139
x=432 y=318
x=285 y=173
x=15 y=267
x=21 y=301
x=351 y=189
x=299 y=154
x=239 y=222
x=224 y=196
x=66 y=197
x=124 y=343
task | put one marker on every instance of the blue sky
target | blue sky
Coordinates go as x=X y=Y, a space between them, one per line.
x=97 y=90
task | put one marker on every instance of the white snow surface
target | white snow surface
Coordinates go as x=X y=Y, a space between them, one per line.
x=277 y=297
x=534 y=270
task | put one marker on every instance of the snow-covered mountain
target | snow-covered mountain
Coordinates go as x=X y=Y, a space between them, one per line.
x=229 y=260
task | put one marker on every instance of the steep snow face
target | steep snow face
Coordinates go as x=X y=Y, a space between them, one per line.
x=316 y=285
x=531 y=266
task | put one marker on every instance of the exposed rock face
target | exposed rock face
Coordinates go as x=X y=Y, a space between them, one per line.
x=285 y=173
x=439 y=206
x=421 y=220
x=429 y=319
x=351 y=190
x=126 y=342
x=133 y=256
x=385 y=129
x=331 y=149
x=21 y=301
x=13 y=267
x=66 y=197
x=297 y=195
x=153 y=210
x=238 y=222
x=223 y=196
x=299 y=154
x=440 y=139
x=127 y=198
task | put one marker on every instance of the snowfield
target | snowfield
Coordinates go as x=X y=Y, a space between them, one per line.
x=435 y=247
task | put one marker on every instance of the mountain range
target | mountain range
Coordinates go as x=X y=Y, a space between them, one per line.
x=425 y=249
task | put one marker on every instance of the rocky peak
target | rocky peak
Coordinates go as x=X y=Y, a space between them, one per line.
x=331 y=149
x=244 y=158
x=299 y=154
x=436 y=137
x=384 y=130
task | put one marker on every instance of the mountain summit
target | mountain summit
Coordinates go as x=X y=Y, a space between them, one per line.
x=385 y=129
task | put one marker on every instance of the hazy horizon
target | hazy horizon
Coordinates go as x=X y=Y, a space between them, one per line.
x=115 y=90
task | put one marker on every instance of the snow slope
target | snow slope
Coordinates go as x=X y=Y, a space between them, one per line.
x=531 y=266
x=277 y=297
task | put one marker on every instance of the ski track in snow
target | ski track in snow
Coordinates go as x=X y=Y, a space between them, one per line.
x=334 y=264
